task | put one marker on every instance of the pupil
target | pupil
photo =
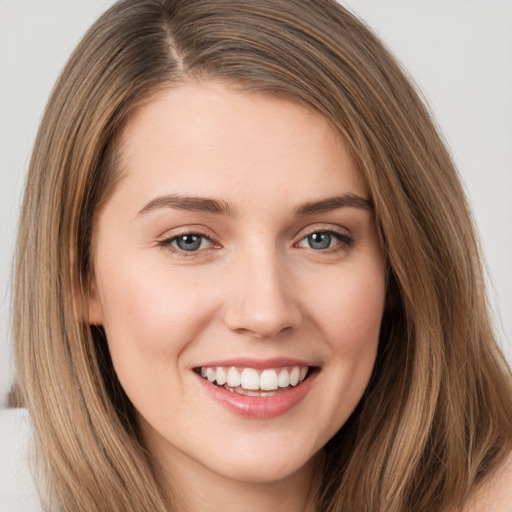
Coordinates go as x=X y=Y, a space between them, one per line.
x=319 y=240
x=189 y=242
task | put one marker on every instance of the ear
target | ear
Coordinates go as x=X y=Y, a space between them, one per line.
x=93 y=303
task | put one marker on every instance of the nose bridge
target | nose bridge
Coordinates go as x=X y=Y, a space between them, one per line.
x=262 y=303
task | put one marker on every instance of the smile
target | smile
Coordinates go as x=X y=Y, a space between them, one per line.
x=253 y=382
x=257 y=389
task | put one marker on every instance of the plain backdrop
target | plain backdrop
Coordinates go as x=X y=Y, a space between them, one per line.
x=459 y=52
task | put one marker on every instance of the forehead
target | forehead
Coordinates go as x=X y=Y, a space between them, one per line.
x=210 y=139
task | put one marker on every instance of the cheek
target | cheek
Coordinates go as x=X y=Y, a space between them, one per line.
x=150 y=311
x=349 y=316
x=150 y=318
x=349 y=310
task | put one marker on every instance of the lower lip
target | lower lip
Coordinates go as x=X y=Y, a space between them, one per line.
x=257 y=407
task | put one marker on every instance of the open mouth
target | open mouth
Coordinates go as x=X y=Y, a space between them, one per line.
x=252 y=382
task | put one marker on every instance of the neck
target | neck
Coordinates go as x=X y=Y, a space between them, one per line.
x=196 y=488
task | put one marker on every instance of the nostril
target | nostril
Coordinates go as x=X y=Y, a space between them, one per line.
x=263 y=324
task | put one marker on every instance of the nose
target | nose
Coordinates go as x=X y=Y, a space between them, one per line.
x=262 y=301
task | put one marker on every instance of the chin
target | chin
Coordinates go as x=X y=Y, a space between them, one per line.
x=266 y=462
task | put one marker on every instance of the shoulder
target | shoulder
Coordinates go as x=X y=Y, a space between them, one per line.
x=17 y=487
x=495 y=493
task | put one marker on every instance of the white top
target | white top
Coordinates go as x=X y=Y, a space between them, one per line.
x=18 y=491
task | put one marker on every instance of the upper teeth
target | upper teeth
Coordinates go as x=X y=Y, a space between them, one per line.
x=251 y=379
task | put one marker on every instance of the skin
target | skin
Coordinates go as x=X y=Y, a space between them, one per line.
x=495 y=492
x=255 y=288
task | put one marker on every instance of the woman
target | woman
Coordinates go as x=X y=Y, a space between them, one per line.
x=247 y=276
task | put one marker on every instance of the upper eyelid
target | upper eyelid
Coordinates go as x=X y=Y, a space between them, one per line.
x=167 y=239
x=325 y=228
x=167 y=243
x=202 y=231
x=343 y=238
x=344 y=235
x=187 y=230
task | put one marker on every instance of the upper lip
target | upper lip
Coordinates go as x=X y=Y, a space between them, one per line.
x=257 y=364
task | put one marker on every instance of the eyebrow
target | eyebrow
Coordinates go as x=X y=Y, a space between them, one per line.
x=189 y=203
x=220 y=207
x=334 y=203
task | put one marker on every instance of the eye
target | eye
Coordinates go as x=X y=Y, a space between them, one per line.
x=322 y=240
x=188 y=242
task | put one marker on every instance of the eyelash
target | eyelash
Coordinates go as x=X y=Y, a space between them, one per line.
x=181 y=253
x=344 y=241
x=343 y=244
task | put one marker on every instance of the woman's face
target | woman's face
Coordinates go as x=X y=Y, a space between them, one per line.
x=239 y=279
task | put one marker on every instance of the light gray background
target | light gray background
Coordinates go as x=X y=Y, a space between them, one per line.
x=458 y=51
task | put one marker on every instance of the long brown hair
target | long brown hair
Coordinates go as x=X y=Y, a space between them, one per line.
x=437 y=415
